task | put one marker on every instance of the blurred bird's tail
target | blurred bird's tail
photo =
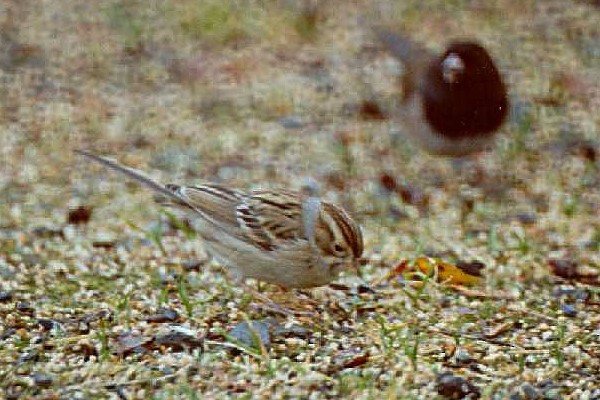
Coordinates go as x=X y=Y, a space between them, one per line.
x=412 y=54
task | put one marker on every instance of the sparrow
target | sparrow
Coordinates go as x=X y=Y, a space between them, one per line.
x=281 y=237
x=453 y=103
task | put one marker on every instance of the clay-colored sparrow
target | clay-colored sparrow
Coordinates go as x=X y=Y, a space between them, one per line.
x=276 y=236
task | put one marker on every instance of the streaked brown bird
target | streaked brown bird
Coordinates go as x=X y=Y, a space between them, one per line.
x=276 y=236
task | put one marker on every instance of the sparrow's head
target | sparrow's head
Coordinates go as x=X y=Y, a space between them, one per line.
x=338 y=239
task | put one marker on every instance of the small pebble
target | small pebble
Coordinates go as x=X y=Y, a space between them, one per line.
x=294 y=330
x=29 y=356
x=31 y=260
x=83 y=328
x=46 y=324
x=462 y=356
x=244 y=334
x=46 y=232
x=163 y=315
x=178 y=338
x=569 y=310
x=456 y=387
x=526 y=218
x=371 y=111
x=8 y=332
x=291 y=122
x=42 y=380
x=36 y=340
x=24 y=307
x=13 y=392
x=5 y=296
x=529 y=392
x=571 y=293
x=554 y=394
x=129 y=343
x=192 y=265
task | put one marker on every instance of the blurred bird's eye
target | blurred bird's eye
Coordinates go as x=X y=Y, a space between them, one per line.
x=452 y=66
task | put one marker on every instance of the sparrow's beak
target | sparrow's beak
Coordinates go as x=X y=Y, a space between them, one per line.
x=452 y=67
x=356 y=264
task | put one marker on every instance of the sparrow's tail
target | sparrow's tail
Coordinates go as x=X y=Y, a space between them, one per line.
x=138 y=176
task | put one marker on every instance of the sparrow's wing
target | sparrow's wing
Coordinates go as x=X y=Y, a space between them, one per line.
x=267 y=219
x=272 y=218
x=215 y=203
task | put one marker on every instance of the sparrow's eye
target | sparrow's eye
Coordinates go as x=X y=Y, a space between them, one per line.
x=338 y=249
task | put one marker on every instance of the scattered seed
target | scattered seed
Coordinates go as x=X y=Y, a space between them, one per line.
x=371 y=111
x=79 y=215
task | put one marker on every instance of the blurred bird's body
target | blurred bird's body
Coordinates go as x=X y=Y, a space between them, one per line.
x=453 y=104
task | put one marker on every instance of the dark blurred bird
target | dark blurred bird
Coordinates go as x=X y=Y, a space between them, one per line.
x=454 y=103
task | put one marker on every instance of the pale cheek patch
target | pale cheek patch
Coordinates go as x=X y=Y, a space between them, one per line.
x=452 y=67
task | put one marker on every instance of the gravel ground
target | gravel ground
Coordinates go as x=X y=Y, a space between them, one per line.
x=105 y=295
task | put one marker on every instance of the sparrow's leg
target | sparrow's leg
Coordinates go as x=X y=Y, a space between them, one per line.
x=271 y=305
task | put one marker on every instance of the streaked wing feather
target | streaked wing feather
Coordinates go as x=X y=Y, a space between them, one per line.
x=271 y=218
x=215 y=203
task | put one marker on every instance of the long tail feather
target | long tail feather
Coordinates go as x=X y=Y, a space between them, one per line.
x=135 y=175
